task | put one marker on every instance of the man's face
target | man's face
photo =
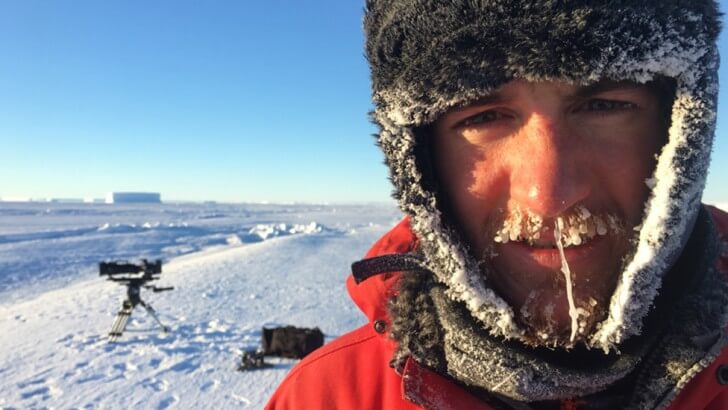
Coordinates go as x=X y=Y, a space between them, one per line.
x=533 y=155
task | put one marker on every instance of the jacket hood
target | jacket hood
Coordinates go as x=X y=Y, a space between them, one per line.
x=429 y=56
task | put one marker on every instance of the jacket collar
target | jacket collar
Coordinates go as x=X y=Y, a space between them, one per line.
x=429 y=390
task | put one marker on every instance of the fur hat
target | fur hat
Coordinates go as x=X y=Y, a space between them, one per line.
x=429 y=56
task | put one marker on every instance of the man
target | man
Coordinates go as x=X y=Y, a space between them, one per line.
x=550 y=157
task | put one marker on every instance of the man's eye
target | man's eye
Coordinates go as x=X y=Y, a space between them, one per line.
x=607 y=105
x=483 y=117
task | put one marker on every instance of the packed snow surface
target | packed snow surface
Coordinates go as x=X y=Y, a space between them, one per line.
x=235 y=269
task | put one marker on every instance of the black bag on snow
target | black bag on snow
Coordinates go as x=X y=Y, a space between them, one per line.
x=290 y=341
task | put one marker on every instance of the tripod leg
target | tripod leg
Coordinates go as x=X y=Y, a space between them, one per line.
x=153 y=314
x=120 y=322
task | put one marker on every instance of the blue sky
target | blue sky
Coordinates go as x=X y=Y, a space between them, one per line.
x=226 y=101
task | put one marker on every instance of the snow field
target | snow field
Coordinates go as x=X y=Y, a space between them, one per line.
x=53 y=347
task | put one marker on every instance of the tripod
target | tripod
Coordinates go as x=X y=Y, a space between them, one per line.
x=133 y=298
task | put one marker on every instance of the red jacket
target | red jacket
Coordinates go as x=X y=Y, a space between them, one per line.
x=352 y=372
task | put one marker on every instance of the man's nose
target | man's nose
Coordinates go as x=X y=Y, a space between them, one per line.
x=550 y=176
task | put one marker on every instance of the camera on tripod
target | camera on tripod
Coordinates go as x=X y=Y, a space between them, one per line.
x=134 y=276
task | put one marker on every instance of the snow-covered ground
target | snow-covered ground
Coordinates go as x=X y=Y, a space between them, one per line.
x=721 y=205
x=235 y=269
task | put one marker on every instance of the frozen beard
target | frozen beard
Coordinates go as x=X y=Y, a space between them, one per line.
x=557 y=273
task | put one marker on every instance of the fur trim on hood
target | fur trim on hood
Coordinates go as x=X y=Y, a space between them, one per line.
x=429 y=56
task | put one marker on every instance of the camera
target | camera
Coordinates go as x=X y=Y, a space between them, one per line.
x=123 y=270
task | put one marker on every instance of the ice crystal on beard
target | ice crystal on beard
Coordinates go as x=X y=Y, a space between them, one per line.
x=573 y=313
x=578 y=227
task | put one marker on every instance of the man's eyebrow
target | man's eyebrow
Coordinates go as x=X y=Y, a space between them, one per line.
x=492 y=98
x=604 y=86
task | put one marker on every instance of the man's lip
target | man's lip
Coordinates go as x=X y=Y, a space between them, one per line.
x=549 y=257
